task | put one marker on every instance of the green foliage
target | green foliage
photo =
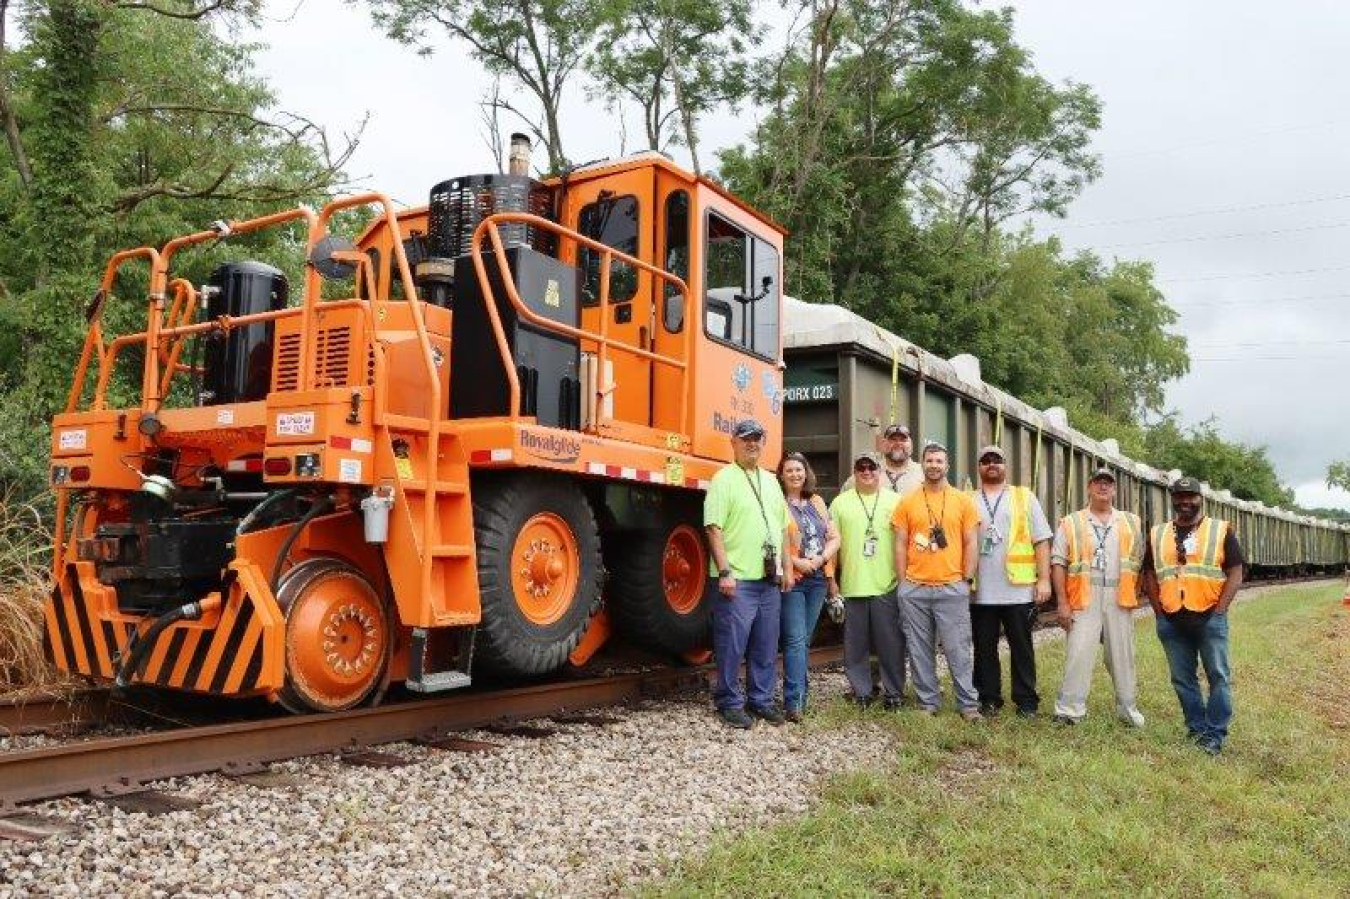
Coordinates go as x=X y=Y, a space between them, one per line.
x=125 y=126
x=538 y=45
x=1338 y=474
x=676 y=60
x=1201 y=452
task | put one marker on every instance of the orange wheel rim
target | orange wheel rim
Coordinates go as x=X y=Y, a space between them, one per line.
x=337 y=639
x=545 y=568
x=684 y=567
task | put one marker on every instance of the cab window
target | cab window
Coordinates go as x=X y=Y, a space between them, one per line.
x=742 y=288
x=676 y=259
x=613 y=221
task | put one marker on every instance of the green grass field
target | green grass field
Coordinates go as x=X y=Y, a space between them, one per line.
x=1026 y=807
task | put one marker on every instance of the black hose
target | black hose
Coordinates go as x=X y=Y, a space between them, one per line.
x=146 y=642
x=247 y=521
x=320 y=507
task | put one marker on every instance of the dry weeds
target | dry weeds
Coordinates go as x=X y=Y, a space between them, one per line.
x=25 y=553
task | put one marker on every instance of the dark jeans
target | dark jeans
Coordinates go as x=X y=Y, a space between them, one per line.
x=1205 y=640
x=745 y=629
x=801 y=611
x=1015 y=621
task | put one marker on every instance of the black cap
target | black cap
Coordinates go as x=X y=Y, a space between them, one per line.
x=895 y=430
x=1185 y=485
x=747 y=427
x=1103 y=474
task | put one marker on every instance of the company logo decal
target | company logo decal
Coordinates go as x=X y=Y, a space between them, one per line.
x=741 y=377
x=553 y=447
x=768 y=383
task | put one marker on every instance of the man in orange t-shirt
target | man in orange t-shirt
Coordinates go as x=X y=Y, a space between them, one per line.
x=936 y=532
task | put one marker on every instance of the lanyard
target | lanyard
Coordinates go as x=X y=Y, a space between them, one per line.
x=870 y=515
x=754 y=488
x=998 y=502
x=1101 y=533
x=893 y=478
x=942 y=513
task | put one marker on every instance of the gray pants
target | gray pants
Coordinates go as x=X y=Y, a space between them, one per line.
x=872 y=624
x=938 y=613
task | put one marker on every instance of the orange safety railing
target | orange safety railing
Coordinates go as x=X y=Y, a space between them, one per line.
x=489 y=230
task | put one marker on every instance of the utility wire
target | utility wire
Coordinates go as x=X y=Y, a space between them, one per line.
x=1223 y=344
x=1340 y=359
x=1182 y=305
x=1276 y=274
x=1241 y=234
x=1222 y=210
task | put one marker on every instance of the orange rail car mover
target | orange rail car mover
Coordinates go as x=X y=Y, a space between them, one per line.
x=513 y=409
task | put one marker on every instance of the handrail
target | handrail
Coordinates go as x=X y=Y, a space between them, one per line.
x=488 y=230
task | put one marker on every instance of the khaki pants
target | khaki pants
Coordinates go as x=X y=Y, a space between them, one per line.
x=1103 y=618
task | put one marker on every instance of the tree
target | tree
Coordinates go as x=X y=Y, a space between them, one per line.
x=125 y=123
x=540 y=45
x=677 y=60
x=1338 y=475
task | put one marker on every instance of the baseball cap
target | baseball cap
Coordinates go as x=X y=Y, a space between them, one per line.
x=748 y=427
x=1185 y=485
x=1103 y=474
x=866 y=457
x=992 y=450
x=895 y=430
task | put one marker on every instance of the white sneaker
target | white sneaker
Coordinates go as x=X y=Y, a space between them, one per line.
x=1132 y=716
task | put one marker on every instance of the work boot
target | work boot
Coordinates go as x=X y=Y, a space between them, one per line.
x=735 y=718
x=971 y=715
x=767 y=713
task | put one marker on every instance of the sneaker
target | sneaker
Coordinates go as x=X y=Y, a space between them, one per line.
x=735 y=718
x=892 y=704
x=793 y=715
x=1133 y=717
x=971 y=715
x=767 y=713
x=1027 y=712
x=1064 y=720
x=862 y=702
x=989 y=709
x=1209 y=746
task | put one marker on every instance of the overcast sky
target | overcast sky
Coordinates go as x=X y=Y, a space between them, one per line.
x=1223 y=147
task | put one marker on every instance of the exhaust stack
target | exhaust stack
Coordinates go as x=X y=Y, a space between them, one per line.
x=518 y=163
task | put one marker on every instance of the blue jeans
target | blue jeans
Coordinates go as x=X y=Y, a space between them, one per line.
x=745 y=629
x=801 y=611
x=1207 y=642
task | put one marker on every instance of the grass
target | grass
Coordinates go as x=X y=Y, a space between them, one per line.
x=25 y=581
x=1023 y=807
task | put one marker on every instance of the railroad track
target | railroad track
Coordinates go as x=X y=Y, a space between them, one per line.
x=119 y=766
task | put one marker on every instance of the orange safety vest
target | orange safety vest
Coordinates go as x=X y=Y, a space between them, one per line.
x=1082 y=545
x=1196 y=585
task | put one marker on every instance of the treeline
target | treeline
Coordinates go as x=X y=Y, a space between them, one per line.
x=901 y=141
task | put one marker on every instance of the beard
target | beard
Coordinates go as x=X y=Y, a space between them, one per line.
x=898 y=456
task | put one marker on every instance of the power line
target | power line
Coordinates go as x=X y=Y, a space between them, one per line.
x=1222 y=210
x=1182 y=306
x=1204 y=237
x=1297 y=343
x=1224 y=141
x=1340 y=359
x=1277 y=274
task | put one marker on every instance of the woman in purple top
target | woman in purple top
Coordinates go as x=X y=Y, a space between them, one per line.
x=814 y=544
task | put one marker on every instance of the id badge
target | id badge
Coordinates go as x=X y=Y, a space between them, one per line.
x=869 y=547
x=1099 y=560
x=986 y=545
x=1189 y=544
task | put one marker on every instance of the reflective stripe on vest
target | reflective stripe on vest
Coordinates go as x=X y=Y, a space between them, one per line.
x=1197 y=584
x=1082 y=546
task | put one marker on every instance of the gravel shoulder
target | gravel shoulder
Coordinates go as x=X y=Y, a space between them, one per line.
x=581 y=812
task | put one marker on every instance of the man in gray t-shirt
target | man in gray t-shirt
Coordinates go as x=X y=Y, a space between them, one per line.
x=1012 y=576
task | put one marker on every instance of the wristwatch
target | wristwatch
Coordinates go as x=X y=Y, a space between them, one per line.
x=725 y=572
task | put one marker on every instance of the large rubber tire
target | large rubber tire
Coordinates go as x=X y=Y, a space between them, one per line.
x=539 y=571
x=339 y=637
x=660 y=592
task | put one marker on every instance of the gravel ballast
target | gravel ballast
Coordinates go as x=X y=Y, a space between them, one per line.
x=581 y=812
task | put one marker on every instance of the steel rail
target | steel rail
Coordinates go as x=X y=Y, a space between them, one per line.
x=124 y=764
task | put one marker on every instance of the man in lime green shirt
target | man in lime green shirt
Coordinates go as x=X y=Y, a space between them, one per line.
x=746 y=518
x=867 y=582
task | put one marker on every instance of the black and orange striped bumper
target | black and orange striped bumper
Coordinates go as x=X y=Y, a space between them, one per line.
x=235 y=650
